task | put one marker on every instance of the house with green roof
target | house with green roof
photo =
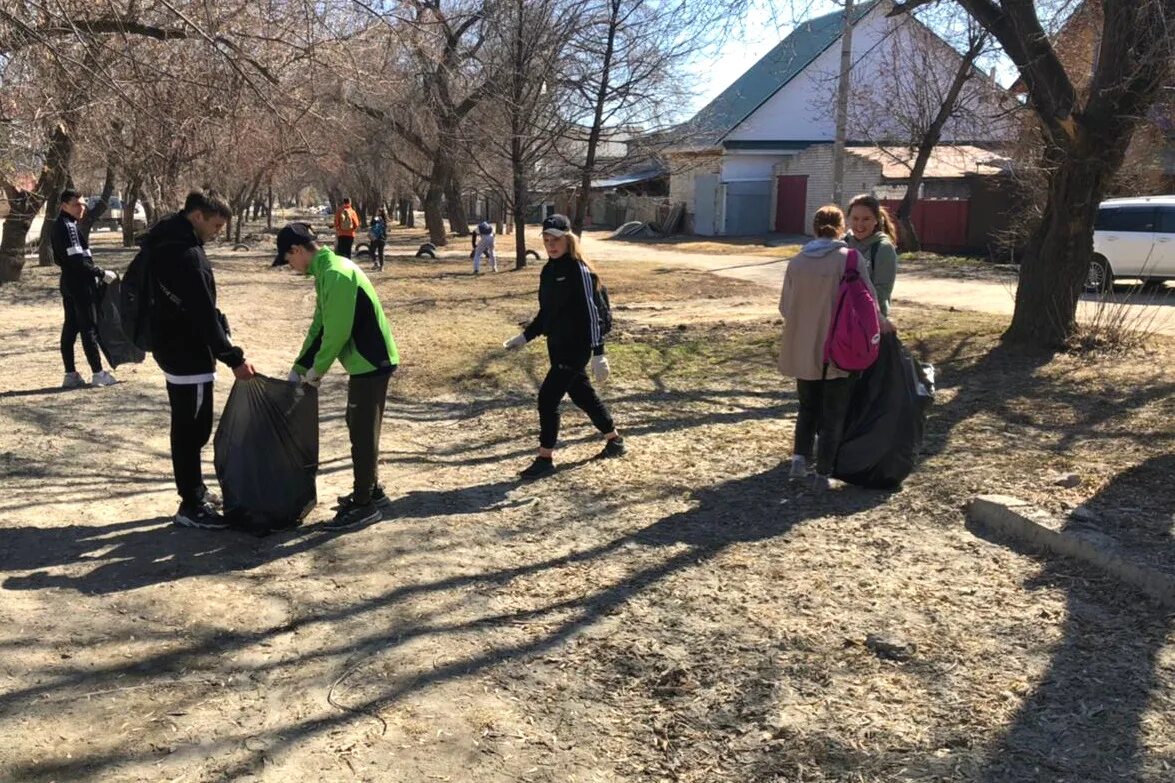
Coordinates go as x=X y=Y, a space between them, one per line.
x=758 y=158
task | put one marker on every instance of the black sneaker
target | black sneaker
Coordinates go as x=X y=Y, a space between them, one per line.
x=542 y=466
x=199 y=515
x=351 y=515
x=613 y=448
x=378 y=497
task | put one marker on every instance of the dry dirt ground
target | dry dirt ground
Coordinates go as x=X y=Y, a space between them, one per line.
x=923 y=280
x=679 y=615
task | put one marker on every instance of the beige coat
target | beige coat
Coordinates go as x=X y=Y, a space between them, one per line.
x=806 y=303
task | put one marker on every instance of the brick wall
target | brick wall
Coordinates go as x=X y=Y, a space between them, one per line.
x=861 y=176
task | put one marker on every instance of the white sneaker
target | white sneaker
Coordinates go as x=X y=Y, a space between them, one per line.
x=799 y=468
x=73 y=380
x=104 y=378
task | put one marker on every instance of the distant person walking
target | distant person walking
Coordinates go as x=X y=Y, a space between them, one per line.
x=346 y=224
x=873 y=233
x=378 y=231
x=807 y=303
x=349 y=325
x=484 y=247
x=189 y=335
x=569 y=315
x=80 y=285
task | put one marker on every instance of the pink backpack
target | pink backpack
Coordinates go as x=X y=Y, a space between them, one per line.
x=855 y=336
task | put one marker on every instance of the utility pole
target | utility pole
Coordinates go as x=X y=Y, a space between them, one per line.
x=842 y=108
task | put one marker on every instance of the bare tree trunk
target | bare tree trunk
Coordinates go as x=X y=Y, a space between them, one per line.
x=93 y=215
x=930 y=139
x=458 y=220
x=585 y=180
x=25 y=204
x=1056 y=260
x=128 y=211
x=269 y=205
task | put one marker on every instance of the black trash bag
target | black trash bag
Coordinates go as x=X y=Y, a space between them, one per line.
x=117 y=346
x=886 y=419
x=266 y=454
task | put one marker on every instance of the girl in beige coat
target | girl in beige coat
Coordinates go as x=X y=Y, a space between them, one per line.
x=810 y=288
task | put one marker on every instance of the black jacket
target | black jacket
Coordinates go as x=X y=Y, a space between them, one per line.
x=189 y=333
x=567 y=309
x=71 y=251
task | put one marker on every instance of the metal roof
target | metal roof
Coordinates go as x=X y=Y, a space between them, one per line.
x=771 y=73
x=947 y=161
x=628 y=179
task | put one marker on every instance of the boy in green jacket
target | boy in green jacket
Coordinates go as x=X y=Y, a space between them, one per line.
x=349 y=325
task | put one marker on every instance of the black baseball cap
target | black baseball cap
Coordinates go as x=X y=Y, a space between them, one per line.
x=292 y=234
x=557 y=225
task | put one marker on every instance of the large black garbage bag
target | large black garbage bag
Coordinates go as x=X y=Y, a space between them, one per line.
x=886 y=419
x=113 y=340
x=266 y=453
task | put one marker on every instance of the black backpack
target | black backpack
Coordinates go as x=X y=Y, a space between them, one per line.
x=137 y=298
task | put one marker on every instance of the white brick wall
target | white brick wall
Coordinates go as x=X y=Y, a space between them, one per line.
x=861 y=176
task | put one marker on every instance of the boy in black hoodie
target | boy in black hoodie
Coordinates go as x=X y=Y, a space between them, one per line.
x=189 y=335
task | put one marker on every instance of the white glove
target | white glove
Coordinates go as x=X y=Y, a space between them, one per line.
x=517 y=341
x=109 y=276
x=600 y=369
x=294 y=377
x=312 y=378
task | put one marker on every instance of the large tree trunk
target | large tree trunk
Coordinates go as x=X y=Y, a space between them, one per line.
x=434 y=216
x=458 y=220
x=25 y=204
x=1056 y=260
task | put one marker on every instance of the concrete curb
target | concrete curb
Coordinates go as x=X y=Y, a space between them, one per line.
x=1017 y=520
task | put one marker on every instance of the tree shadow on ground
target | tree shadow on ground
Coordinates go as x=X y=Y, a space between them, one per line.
x=1085 y=719
x=746 y=509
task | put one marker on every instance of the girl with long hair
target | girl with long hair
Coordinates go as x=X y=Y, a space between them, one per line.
x=874 y=234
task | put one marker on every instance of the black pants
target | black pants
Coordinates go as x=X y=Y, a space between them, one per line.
x=81 y=318
x=343 y=246
x=191 y=426
x=569 y=377
x=366 y=398
x=377 y=251
x=823 y=405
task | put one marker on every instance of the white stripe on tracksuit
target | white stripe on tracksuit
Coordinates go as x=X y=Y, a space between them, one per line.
x=75 y=249
x=593 y=313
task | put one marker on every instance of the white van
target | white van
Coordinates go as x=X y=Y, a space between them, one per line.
x=1135 y=238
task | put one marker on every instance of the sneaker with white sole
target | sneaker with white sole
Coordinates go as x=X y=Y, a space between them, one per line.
x=200 y=515
x=104 y=378
x=73 y=380
x=352 y=515
x=378 y=497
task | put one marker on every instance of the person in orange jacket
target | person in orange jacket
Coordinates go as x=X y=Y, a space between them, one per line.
x=346 y=223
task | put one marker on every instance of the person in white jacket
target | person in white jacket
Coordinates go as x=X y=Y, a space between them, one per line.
x=485 y=247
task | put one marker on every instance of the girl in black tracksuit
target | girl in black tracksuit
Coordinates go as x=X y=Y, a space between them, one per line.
x=570 y=319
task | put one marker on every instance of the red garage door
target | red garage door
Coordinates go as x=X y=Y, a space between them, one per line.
x=791 y=204
x=941 y=223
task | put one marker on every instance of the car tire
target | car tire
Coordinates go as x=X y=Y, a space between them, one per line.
x=1100 y=278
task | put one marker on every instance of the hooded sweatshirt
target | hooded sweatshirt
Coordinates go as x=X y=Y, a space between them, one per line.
x=189 y=333
x=80 y=276
x=810 y=287
x=880 y=259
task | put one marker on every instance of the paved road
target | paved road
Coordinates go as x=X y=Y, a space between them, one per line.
x=1148 y=311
